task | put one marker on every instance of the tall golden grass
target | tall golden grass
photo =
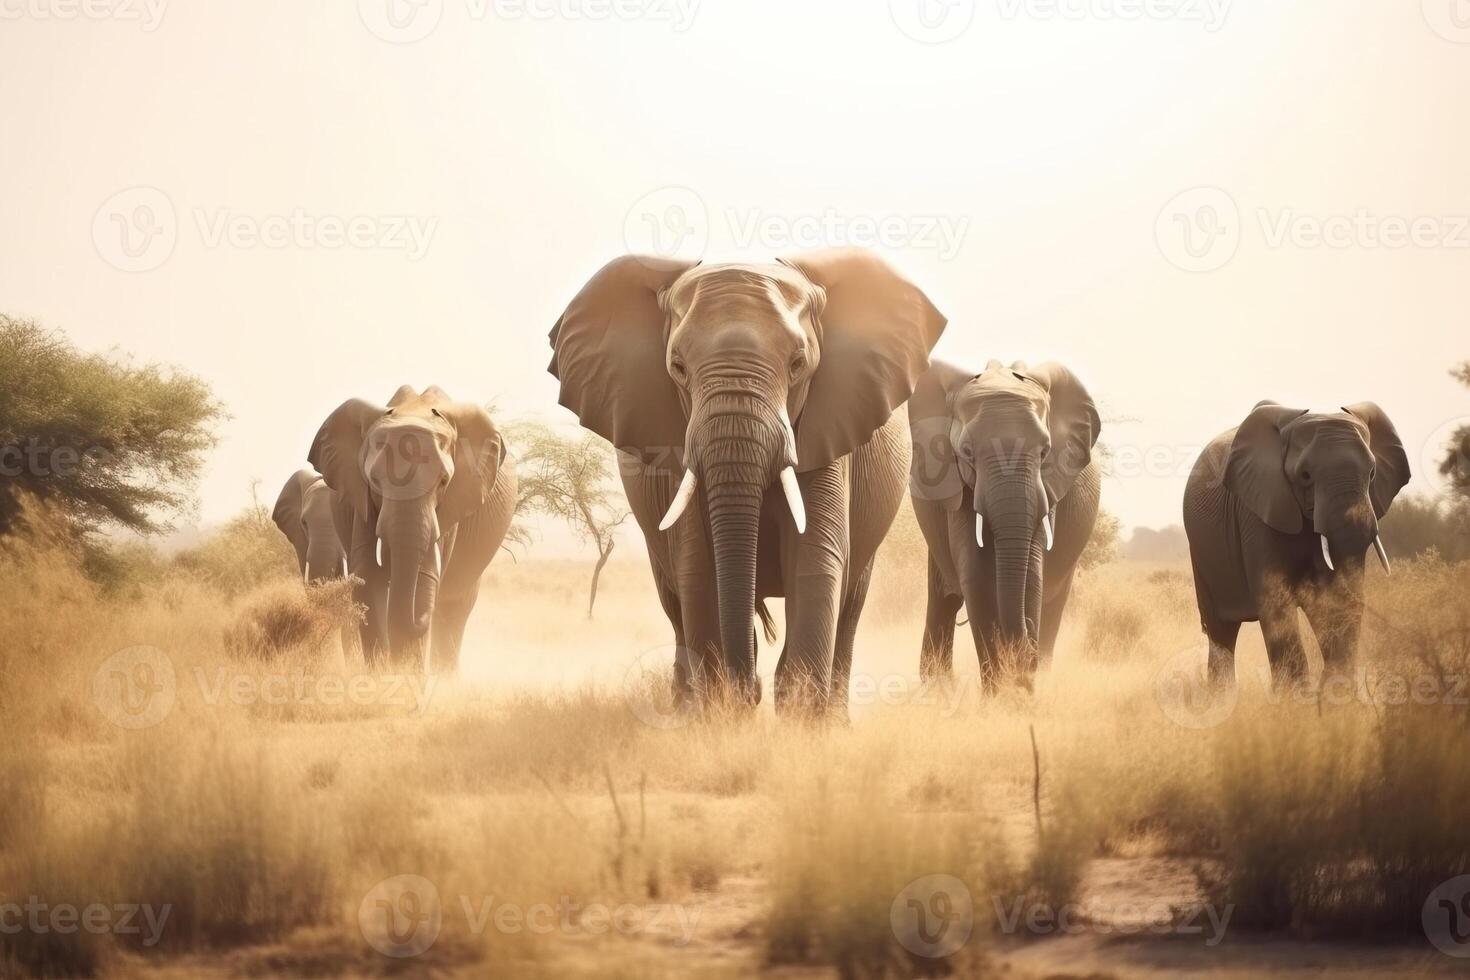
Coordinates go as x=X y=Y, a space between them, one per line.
x=269 y=805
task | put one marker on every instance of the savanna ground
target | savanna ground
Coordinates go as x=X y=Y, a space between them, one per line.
x=207 y=762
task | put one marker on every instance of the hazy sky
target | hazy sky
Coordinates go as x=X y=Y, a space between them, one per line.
x=304 y=202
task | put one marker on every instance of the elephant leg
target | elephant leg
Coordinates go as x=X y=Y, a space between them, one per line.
x=371 y=593
x=1336 y=618
x=451 y=613
x=847 y=623
x=699 y=610
x=1222 y=637
x=814 y=567
x=1051 y=617
x=1284 y=647
x=683 y=684
x=936 y=655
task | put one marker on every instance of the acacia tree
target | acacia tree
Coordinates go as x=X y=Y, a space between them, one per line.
x=571 y=478
x=1455 y=466
x=104 y=440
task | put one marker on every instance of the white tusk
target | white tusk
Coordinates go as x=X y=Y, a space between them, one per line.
x=793 y=498
x=380 y=552
x=1382 y=554
x=438 y=561
x=790 y=434
x=1046 y=526
x=980 y=529
x=681 y=500
x=342 y=565
x=1327 y=554
x=306 y=574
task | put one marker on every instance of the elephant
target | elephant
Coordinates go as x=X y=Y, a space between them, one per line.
x=1280 y=513
x=430 y=491
x=758 y=414
x=313 y=517
x=1006 y=493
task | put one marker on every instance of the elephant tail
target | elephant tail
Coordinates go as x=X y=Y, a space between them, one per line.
x=768 y=623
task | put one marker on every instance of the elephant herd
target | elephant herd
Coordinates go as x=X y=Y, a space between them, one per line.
x=769 y=420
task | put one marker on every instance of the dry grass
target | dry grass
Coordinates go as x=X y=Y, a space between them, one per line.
x=269 y=802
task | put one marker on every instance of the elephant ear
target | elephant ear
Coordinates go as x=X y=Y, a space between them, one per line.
x=336 y=452
x=1074 y=424
x=875 y=334
x=609 y=351
x=288 y=511
x=934 y=472
x=478 y=452
x=1255 y=471
x=1391 y=462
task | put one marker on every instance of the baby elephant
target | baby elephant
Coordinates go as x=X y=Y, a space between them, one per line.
x=315 y=519
x=1280 y=514
x=1006 y=493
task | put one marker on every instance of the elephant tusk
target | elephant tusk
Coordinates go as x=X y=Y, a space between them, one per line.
x=306 y=574
x=980 y=529
x=1327 y=554
x=1046 y=526
x=1382 y=554
x=793 y=498
x=790 y=434
x=681 y=500
x=380 y=553
x=342 y=566
x=438 y=561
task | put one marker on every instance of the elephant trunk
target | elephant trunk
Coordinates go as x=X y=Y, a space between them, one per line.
x=325 y=558
x=1015 y=505
x=740 y=442
x=410 y=530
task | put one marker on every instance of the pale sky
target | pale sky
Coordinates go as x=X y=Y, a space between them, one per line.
x=1026 y=171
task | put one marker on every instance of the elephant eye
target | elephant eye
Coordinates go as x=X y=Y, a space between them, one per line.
x=678 y=370
x=798 y=363
x=1306 y=476
x=437 y=414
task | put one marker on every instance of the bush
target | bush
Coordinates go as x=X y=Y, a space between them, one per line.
x=283 y=619
x=248 y=552
x=1417 y=524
